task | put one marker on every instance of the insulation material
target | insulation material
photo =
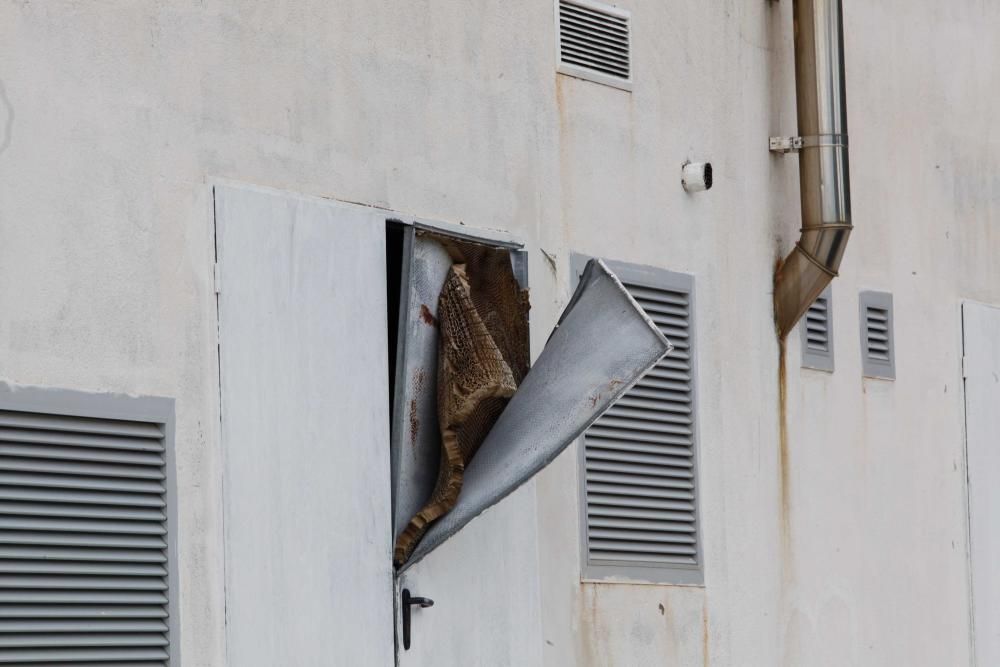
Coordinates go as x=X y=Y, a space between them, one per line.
x=603 y=344
x=482 y=358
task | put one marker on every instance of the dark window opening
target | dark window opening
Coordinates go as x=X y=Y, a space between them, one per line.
x=394 y=244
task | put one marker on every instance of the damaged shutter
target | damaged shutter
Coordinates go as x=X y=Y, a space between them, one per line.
x=640 y=458
x=84 y=557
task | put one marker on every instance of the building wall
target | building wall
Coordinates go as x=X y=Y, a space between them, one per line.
x=842 y=543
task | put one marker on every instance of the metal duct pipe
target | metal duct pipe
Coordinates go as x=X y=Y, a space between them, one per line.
x=823 y=169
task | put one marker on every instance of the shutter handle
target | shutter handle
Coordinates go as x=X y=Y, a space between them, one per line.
x=408 y=602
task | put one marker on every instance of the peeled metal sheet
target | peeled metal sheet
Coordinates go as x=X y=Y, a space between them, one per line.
x=602 y=345
x=416 y=434
x=416 y=437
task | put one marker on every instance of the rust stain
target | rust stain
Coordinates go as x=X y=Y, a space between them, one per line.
x=427 y=316
x=587 y=637
x=706 y=659
x=784 y=482
x=566 y=163
x=560 y=101
x=672 y=642
x=414 y=423
x=783 y=465
x=418 y=386
x=786 y=562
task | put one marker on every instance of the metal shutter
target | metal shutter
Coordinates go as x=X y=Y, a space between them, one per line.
x=817 y=334
x=640 y=472
x=877 y=348
x=83 y=540
x=594 y=42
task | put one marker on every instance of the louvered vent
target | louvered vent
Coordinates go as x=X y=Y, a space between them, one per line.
x=594 y=42
x=876 y=335
x=817 y=334
x=640 y=477
x=83 y=541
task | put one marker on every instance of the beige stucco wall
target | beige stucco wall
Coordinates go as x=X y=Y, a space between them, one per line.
x=116 y=116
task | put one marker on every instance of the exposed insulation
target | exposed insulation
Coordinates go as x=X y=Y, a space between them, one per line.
x=482 y=358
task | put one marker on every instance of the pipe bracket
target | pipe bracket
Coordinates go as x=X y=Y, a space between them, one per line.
x=821 y=140
x=795 y=144
x=785 y=144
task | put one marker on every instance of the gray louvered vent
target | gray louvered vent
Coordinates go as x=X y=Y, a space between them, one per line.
x=594 y=42
x=877 y=324
x=640 y=464
x=878 y=354
x=817 y=334
x=83 y=543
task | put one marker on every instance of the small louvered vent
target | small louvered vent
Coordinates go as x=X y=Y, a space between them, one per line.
x=640 y=477
x=594 y=42
x=83 y=541
x=877 y=336
x=817 y=334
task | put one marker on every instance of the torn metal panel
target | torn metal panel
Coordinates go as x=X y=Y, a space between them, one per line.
x=602 y=345
x=416 y=437
x=482 y=358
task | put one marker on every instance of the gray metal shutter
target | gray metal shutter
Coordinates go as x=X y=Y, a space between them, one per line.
x=83 y=540
x=639 y=458
x=878 y=355
x=817 y=333
x=594 y=42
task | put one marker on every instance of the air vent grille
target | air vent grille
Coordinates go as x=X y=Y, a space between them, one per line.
x=877 y=336
x=594 y=42
x=83 y=541
x=639 y=458
x=817 y=334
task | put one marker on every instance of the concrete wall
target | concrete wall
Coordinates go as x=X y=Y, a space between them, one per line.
x=843 y=543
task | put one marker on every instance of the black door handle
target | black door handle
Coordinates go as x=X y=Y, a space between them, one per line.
x=408 y=602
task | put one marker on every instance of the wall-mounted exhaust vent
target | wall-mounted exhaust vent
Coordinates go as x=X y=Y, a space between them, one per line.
x=594 y=42
x=84 y=530
x=877 y=349
x=817 y=334
x=639 y=472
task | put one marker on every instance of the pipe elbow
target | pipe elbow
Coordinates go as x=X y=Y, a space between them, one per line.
x=802 y=275
x=823 y=162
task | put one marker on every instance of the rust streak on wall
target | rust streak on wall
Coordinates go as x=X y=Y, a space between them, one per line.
x=783 y=471
x=706 y=659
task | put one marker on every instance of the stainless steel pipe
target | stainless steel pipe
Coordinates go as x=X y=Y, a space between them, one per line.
x=824 y=181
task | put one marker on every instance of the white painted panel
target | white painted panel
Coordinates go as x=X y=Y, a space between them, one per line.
x=981 y=325
x=304 y=430
x=485 y=585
